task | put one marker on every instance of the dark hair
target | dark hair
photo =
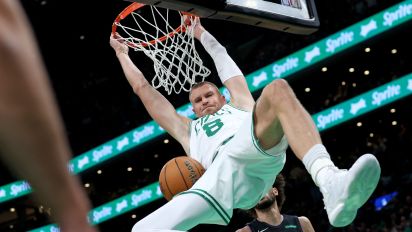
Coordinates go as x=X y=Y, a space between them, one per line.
x=280 y=186
x=280 y=198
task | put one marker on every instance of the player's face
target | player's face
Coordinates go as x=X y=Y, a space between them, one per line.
x=206 y=99
x=268 y=200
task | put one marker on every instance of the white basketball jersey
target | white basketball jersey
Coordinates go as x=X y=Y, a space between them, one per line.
x=210 y=132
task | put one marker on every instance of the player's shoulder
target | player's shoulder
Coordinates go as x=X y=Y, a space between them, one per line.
x=303 y=220
x=244 y=229
x=305 y=223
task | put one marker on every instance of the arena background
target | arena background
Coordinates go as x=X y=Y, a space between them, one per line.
x=98 y=105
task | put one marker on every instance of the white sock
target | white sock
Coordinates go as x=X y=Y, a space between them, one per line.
x=318 y=163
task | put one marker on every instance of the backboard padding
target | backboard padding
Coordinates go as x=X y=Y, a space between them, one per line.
x=260 y=13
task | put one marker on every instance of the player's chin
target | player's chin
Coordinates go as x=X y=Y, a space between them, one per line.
x=209 y=110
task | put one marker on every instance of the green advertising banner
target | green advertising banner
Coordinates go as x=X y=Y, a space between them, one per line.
x=364 y=103
x=116 y=207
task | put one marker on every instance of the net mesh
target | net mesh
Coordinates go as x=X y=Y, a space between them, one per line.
x=167 y=38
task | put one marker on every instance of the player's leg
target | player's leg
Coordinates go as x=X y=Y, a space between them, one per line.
x=344 y=191
x=276 y=104
x=182 y=213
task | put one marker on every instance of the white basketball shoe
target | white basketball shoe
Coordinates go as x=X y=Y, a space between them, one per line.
x=347 y=190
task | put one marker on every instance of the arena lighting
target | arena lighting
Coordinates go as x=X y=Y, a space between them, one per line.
x=382 y=201
x=359 y=32
x=324 y=120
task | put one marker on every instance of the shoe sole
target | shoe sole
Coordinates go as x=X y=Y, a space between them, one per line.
x=364 y=178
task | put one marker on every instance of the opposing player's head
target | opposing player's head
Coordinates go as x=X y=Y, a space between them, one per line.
x=206 y=98
x=275 y=196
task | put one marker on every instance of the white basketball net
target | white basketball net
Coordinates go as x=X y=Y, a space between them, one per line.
x=176 y=63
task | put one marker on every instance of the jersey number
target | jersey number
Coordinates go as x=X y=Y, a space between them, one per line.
x=211 y=128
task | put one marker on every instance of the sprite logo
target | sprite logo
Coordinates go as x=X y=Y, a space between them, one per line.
x=104 y=212
x=289 y=64
x=344 y=38
x=401 y=12
x=334 y=115
x=16 y=189
x=139 y=135
x=389 y=92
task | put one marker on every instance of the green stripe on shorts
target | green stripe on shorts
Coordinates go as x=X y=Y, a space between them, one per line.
x=212 y=201
x=263 y=152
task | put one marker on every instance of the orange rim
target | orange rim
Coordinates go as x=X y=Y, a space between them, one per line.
x=134 y=6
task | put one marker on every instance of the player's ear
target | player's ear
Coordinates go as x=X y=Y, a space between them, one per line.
x=275 y=191
x=194 y=111
x=222 y=98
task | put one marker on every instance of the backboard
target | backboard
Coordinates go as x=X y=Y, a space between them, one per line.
x=291 y=16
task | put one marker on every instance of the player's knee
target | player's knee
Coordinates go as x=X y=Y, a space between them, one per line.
x=278 y=92
x=138 y=227
x=135 y=228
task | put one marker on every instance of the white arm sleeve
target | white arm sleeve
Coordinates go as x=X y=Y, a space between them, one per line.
x=225 y=66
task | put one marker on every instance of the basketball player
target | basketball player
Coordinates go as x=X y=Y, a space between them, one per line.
x=242 y=145
x=268 y=217
x=32 y=139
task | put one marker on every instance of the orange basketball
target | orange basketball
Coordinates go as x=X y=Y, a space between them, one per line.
x=178 y=175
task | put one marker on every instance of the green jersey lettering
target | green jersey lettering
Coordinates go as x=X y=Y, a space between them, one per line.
x=211 y=128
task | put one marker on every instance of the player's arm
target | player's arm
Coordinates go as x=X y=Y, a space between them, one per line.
x=306 y=225
x=32 y=135
x=244 y=229
x=159 y=108
x=229 y=73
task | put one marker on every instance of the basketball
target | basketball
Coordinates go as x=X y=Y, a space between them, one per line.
x=179 y=174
